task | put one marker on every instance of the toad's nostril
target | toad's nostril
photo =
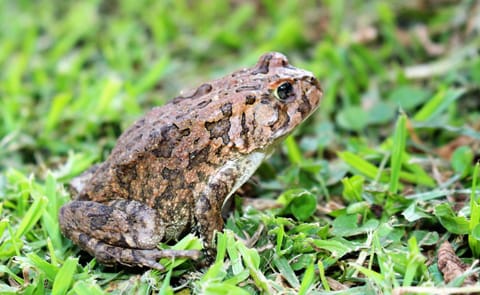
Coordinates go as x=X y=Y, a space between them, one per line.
x=314 y=81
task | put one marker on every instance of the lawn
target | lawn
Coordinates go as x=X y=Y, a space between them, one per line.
x=358 y=200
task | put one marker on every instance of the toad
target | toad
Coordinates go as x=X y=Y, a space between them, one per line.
x=170 y=173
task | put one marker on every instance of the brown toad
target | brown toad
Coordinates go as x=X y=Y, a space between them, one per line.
x=170 y=173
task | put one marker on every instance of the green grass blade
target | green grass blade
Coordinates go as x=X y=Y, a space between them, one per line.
x=251 y=260
x=55 y=113
x=439 y=103
x=111 y=88
x=90 y=288
x=32 y=216
x=151 y=77
x=64 y=277
x=360 y=165
x=415 y=261
x=399 y=139
x=323 y=278
x=216 y=271
x=235 y=258
x=286 y=270
x=293 y=151
x=166 y=289
x=48 y=269
x=473 y=242
x=307 y=280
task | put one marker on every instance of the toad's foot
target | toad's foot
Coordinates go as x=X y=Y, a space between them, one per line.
x=110 y=255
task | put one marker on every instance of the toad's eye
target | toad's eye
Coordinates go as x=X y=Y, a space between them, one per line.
x=284 y=91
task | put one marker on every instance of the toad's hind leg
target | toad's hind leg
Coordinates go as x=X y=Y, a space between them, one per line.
x=121 y=231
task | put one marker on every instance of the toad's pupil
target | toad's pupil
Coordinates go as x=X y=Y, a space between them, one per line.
x=284 y=91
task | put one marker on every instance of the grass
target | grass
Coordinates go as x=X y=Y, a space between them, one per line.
x=369 y=187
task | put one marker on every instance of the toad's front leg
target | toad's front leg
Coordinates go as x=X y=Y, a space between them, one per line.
x=208 y=207
x=121 y=231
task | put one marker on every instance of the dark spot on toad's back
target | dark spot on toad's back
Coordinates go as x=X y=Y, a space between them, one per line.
x=76 y=205
x=220 y=129
x=163 y=151
x=154 y=134
x=175 y=177
x=167 y=194
x=126 y=172
x=185 y=132
x=245 y=128
x=250 y=99
x=204 y=103
x=227 y=109
x=168 y=131
x=197 y=157
x=201 y=175
x=170 y=136
x=99 y=221
x=171 y=174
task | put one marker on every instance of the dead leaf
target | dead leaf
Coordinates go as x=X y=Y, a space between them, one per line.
x=365 y=34
x=447 y=150
x=473 y=21
x=451 y=266
x=431 y=48
x=334 y=204
x=336 y=285
x=261 y=204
